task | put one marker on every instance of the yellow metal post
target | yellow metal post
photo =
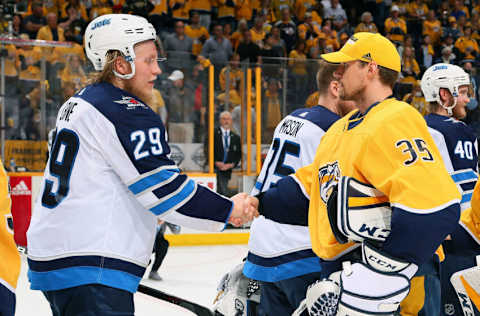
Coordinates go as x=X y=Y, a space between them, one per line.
x=210 y=118
x=258 y=111
x=249 y=121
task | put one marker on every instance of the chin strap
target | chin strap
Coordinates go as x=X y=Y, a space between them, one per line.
x=449 y=108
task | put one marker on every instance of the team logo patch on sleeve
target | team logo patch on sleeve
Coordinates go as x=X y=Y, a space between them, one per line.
x=328 y=176
x=131 y=103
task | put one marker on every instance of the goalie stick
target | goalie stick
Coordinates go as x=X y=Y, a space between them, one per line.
x=193 y=307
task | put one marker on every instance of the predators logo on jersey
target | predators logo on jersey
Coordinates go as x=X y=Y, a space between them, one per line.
x=328 y=176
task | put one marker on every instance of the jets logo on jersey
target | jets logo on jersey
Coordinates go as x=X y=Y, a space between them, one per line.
x=328 y=176
x=131 y=103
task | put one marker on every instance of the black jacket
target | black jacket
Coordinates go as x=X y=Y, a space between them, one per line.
x=234 y=150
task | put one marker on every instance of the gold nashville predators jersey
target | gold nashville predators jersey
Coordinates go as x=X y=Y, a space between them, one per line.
x=10 y=262
x=390 y=148
x=470 y=219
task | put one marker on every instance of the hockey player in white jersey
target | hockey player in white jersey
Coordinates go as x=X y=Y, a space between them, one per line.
x=280 y=255
x=108 y=178
x=446 y=87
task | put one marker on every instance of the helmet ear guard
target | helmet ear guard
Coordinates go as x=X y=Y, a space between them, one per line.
x=445 y=76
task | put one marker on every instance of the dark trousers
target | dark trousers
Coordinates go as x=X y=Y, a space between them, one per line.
x=283 y=297
x=160 y=249
x=7 y=302
x=222 y=182
x=90 y=300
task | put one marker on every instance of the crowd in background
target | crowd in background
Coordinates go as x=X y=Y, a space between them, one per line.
x=284 y=37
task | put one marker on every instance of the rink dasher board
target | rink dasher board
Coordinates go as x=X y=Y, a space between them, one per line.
x=25 y=187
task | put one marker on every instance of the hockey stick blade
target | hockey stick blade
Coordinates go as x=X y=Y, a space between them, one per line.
x=199 y=310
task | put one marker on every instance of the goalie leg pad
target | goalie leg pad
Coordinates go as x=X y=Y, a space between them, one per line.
x=373 y=287
x=358 y=212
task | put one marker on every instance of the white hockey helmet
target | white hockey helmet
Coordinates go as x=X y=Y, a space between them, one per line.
x=116 y=32
x=446 y=76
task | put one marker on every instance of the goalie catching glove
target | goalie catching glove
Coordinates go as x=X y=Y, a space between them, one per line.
x=358 y=212
x=375 y=286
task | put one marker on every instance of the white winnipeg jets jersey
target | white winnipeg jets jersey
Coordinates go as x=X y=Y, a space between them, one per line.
x=281 y=251
x=458 y=146
x=107 y=178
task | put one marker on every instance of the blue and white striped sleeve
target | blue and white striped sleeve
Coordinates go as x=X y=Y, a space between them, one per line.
x=134 y=143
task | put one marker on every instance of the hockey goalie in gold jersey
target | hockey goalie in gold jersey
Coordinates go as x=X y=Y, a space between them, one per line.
x=382 y=153
x=10 y=262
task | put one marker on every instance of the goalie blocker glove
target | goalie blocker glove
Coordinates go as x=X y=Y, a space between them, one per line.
x=358 y=212
x=375 y=286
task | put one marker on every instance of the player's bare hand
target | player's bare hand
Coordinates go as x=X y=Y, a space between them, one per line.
x=245 y=208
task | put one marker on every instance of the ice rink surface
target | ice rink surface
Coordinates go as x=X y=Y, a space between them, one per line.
x=192 y=273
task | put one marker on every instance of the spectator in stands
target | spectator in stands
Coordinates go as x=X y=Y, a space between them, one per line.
x=244 y=10
x=77 y=4
x=416 y=98
x=288 y=29
x=301 y=7
x=157 y=104
x=50 y=32
x=366 y=24
x=237 y=36
x=330 y=35
x=198 y=33
x=271 y=109
x=227 y=152
x=270 y=58
x=180 y=109
x=447 y=56
x=73 y=72
x=17 y=25
x=74 y=21
x=30 y=64
x=159 y=16
x=180 y=10
x=309 y=30
x=466 y=45
x=249 y=51
x=452 y=28
x=410 y=68
x=217 y=48
x=278 y=44
x=204 y=10
x=432 y=27
x=337 y=14
x=257 y=31
x=417 y=11
x=178 y=47
x=277 y=6
x=408 y=42
x=227 y=31
x=226 y=13
x=395 y=27
x=232 y=72
x=427 y=53
x=443 y=10
x=35 y=21
x=298 y=64
x=402 y=6
x=460 y=10
x=99 y=7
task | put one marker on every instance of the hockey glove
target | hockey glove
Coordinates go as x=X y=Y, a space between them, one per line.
x=358 y=212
